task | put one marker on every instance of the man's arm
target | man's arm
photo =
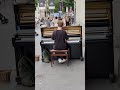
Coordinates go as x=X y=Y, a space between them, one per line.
x=53 y=35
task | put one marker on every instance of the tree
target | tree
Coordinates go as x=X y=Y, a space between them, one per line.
x=36 y=3
x=56 y=2
x=66 y=3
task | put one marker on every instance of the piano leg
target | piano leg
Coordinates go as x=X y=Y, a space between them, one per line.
x=68 y=57
x=67 y=60
x=18 y=80
x=52 y=61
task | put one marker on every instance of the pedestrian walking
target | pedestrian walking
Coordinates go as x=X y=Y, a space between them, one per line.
x=67 y=21
x=48 y=22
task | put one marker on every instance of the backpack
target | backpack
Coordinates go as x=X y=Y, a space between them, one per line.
x=46 y=55
x=26 y=71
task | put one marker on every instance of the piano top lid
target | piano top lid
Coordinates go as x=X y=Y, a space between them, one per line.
x=72 y=31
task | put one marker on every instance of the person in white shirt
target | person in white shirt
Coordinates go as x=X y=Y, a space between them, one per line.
x=55 y=21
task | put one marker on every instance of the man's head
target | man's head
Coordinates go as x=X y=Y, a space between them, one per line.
x=60 y=23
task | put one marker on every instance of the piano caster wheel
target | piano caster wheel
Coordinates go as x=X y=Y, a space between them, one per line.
x=42 y=60
x=81 y=58
x=18 y=80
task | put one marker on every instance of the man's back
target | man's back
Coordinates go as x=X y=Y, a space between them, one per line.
x=60 y=37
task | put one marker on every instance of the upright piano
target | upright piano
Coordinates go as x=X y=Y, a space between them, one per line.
x=99 y=53
x=75 y=39
x=24 y=39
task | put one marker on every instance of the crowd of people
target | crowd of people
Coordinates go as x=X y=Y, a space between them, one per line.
x=52 y=21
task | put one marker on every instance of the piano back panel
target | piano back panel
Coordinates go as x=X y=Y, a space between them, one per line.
x=72 y=31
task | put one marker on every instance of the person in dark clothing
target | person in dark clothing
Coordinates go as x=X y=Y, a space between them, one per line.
x=60 y=40
x=67 y=19
x=48 y=22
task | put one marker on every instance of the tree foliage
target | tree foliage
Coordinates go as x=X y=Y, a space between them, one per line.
x=36 y=3
x=69 y=3
x=66 y=3
x=56 y=2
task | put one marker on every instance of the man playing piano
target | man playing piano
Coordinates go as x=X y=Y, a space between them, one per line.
x=60 y=40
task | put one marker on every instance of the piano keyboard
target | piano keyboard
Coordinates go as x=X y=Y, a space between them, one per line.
x=51 y=42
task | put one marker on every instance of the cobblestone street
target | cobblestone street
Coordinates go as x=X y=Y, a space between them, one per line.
x=60 y=76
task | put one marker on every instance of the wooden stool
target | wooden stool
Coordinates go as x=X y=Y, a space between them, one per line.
x=54 y=53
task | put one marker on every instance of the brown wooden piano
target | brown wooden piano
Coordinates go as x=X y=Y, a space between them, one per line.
x=75 y=39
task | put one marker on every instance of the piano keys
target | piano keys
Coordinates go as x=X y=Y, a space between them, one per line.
x=52 y=42
x=69 y=41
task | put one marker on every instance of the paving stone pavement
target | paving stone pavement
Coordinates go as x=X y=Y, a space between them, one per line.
x=60 y=76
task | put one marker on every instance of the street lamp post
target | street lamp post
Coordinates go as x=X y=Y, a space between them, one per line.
x=74 y=12
x=51 y=7
x=46 y=6
x=60 y=7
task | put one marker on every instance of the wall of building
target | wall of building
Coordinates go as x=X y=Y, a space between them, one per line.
x=80 y=18
x=7 y=58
